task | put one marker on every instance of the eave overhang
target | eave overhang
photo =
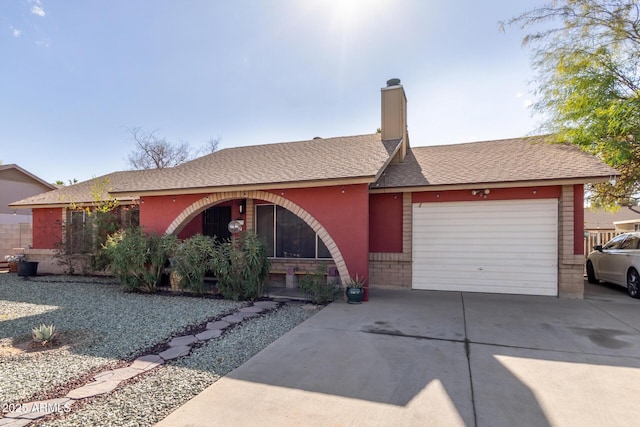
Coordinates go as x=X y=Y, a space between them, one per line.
x=476 y=185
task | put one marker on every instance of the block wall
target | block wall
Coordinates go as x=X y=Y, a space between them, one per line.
x=14 y=236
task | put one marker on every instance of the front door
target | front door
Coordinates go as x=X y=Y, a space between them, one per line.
x=215 y=221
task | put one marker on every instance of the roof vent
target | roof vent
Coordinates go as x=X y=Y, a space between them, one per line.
x=393 y=82
x=317 y=137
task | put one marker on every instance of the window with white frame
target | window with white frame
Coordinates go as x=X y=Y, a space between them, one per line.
x=286 y=235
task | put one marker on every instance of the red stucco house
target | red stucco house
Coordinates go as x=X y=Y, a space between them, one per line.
x=497 y=216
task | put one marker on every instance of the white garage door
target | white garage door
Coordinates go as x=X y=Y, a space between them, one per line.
x=505 y=246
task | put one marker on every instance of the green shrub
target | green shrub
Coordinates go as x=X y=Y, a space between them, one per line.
x=241 y=266
x=192 y=259
x=138 y=259
x=316 y=288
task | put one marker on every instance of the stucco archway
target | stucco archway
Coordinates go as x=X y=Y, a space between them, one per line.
x=195 y=208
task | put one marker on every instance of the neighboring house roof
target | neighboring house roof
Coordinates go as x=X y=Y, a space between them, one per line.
x=13 y=172
x=502 y=161
x=600 y=219
x=81 y=193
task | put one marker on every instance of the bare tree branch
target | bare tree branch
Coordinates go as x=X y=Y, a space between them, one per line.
x=153 y=152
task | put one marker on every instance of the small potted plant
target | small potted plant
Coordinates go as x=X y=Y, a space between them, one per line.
x=13 y=261
x=355 y=290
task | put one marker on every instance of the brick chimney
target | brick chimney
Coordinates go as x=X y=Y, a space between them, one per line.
x=394 y=116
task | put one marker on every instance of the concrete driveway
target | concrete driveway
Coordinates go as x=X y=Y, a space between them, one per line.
x=443 y=359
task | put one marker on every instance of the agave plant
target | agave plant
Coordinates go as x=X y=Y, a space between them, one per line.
x=44 y=335
x=356 y=282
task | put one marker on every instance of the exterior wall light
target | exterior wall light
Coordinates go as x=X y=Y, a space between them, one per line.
x=481 y=193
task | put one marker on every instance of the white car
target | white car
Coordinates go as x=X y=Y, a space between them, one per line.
x=617 y=262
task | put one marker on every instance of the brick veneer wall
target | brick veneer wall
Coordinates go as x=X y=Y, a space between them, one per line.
x=570 y=266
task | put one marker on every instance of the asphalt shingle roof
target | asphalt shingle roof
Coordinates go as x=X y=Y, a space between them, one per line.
x=508 y=160
x=327 y=159
x=363 y=156
x=602 y=219
x=313 y=160
x=81 y=192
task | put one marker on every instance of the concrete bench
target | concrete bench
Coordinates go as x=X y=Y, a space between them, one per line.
x=292 y=273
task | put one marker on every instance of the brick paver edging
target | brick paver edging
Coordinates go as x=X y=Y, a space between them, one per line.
x=107 y=381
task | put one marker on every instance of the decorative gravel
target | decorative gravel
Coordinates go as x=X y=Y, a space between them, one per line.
x=104 y=324
x=149 y=398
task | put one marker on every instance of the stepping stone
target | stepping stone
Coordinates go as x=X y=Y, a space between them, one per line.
x=148 y=362
x=120 y=374
x=34 y=410
x=14 y=422
x=93 y=389
x=266 y=305
x=217 y=325
x=175 y=352
x=209 y=334
x=233 y=318
x=247 y=315
x=253 y=309
x=182 y=341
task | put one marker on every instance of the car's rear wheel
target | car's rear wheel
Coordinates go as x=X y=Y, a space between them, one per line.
x=633 y=283
x=591 y=274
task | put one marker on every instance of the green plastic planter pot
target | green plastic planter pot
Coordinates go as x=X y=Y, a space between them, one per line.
x=27 y=268
x=355 y=295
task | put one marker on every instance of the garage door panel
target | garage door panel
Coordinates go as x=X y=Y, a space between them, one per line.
x=480 y=247
x=486 y=246
x=488 y=260
x=506 y=274
x=487 y=264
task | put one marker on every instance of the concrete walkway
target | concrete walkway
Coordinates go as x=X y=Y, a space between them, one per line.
x=417 y=358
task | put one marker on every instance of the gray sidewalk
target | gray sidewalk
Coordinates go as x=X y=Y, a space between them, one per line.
x=438 y=358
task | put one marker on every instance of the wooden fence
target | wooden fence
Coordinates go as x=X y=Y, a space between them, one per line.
x=593 y=238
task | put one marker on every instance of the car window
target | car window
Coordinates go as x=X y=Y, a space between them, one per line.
x=630 y=243
x=615 y=242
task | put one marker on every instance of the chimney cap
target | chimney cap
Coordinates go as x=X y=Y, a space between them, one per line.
x=393 y=82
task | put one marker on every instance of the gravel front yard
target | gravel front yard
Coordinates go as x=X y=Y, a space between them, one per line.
x=107 y=327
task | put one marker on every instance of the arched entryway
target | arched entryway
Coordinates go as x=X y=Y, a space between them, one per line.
x=212 y=199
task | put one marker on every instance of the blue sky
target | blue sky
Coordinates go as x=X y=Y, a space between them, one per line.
x=77 y=74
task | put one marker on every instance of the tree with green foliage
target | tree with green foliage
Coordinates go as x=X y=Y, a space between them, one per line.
x=61 y=183
x=586 y=54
